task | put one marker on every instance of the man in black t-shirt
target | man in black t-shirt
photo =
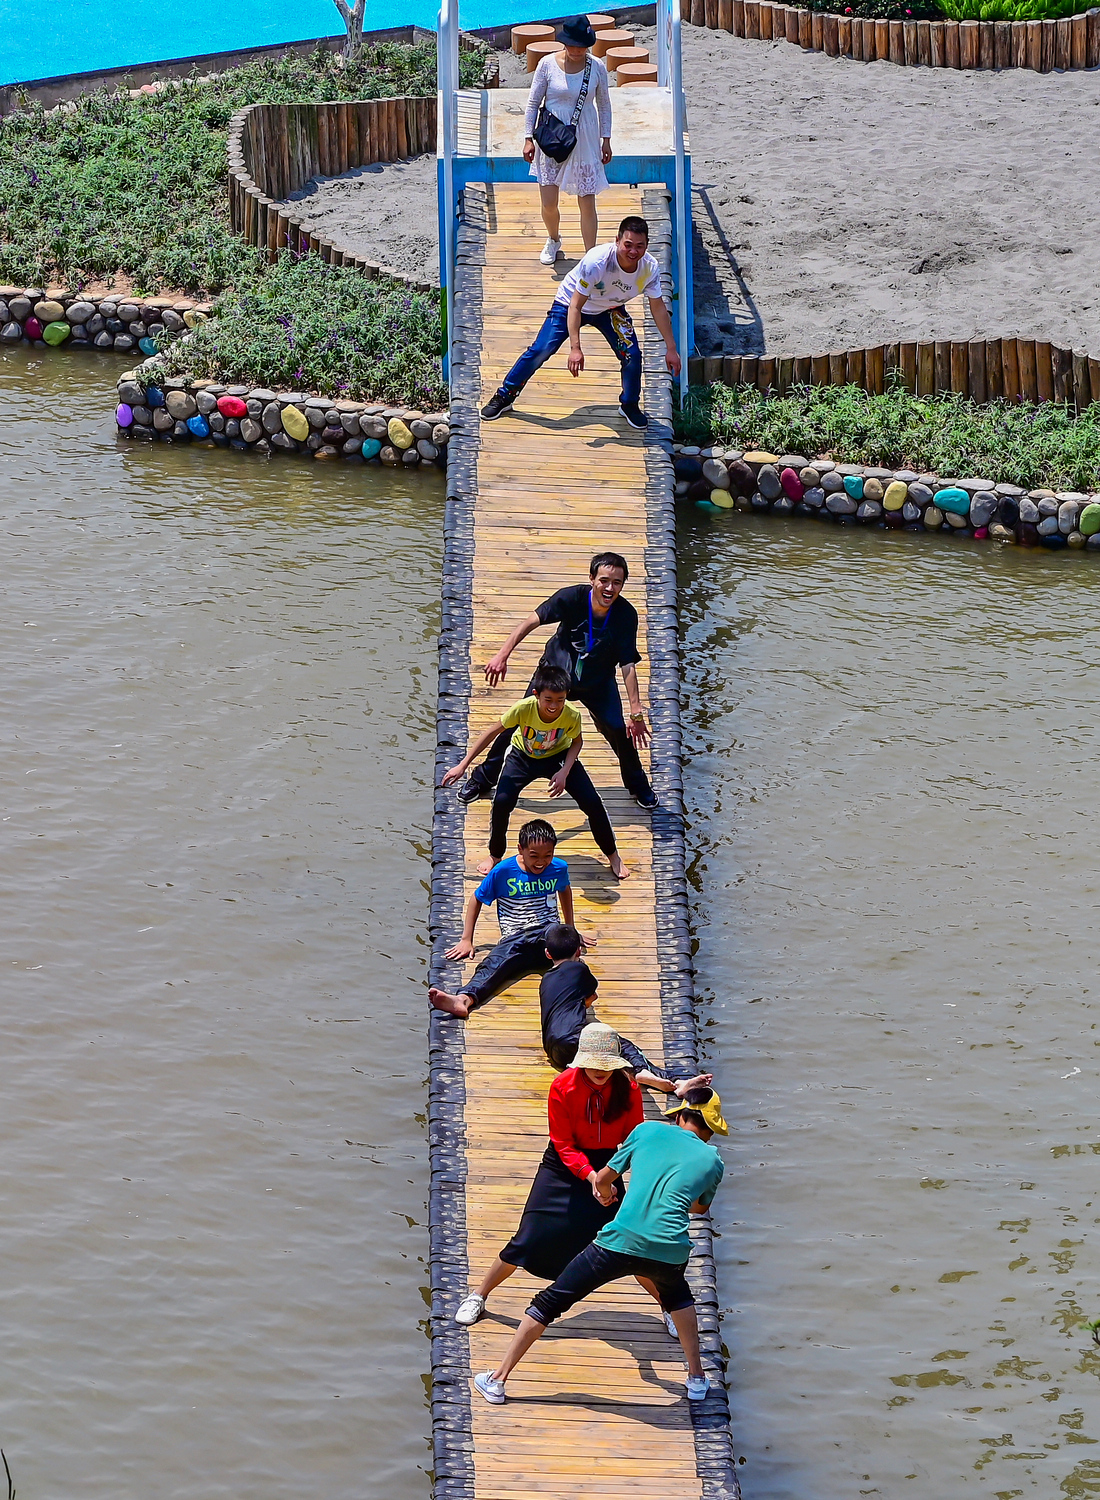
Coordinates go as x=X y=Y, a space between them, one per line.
x=597 y=633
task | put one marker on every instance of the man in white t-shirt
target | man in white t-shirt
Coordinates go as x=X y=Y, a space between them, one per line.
x=595 y=292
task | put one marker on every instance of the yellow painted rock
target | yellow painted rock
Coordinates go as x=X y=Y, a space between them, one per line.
x=761 y=458
x=723 y=499
x=194 y=318
x=895 y=495
x=295 y=424
x=400 y=436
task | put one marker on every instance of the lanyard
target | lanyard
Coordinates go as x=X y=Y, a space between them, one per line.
x=603 y=627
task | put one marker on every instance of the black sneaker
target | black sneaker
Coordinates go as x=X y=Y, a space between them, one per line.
x=496 y=406
x=470 y=791
x=649 y=800
x=634 y=415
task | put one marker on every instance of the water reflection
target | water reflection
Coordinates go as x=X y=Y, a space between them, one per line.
x=218 y=697
x=891 y=746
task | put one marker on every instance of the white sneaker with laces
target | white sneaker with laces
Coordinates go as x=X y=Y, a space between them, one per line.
x=670 y=1325
x=492 y=1390
x=550 y=252
x=697 y=1385
x=470 y=1309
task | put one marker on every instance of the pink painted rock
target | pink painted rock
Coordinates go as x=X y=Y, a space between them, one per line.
x=232 y=406
x=124 y=415
x=980 y=533
x=32 y=328
x=792 y=485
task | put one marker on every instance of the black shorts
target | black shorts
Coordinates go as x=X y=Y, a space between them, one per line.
x=595 y=1267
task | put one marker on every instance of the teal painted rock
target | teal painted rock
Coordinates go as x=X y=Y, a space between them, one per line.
x=147 y=345
x=371 y=448
x=1089 y=523
x=198 y=426
x=56 y=333
x=853 y=483
x=953 y=502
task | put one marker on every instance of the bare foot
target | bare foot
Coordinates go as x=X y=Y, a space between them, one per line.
x=454 y=1005
x=685 y=1085
x=486 y=865
x=618 y=869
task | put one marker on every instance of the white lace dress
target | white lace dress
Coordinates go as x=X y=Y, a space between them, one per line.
x=582 y=171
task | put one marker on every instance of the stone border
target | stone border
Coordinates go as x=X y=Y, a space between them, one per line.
x=982 y=369
x=714 y=1457
x=252 y=418
x=275 y=149
x=53 y=316
x=896 y=499
x=1043 y=46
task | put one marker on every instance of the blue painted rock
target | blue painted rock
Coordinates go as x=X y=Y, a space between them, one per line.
x=56 y=333
x=853 y=483
x=124 y=415
x=1055 y=541
x=1089 y=523
x=792 y=485
x=147 y=345
x=154 y=396
x=371 y=447
x=953 y=502
x=1008 y=511
x=983 y=508
x=767 y=482
x=198 y=426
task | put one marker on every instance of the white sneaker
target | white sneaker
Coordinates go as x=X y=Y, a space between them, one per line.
x=670 y=1325
x=470 y=1309
x=698 y=1386
x=550 y=252
x=492 y=1390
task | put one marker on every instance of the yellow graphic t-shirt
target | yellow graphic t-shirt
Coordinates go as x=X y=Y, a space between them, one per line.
x=534 y=736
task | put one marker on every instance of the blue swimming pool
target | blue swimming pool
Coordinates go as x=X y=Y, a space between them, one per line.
x=47 y=38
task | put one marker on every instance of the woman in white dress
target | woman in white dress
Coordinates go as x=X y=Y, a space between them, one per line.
x=557 y=85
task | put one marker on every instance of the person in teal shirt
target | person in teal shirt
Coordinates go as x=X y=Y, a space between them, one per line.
x=674 y=1172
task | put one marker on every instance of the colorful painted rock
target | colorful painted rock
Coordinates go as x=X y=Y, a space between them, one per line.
x=895 y=496
x=56 y=333
x=295 y=424
x=147 y=345
x=980 y=533
x=933 y=518
x=723 y=499
x=154 y=396
x=194 y=318
x=872 y=489
x=1089 y=523
x=199 y=426
x=48 y=311
x=792 y=485
x=853 y=483
x=124 y=415
x=232 y=406
x=371 y=447
x=400 y=436
x=953 y=502
x=32 y=329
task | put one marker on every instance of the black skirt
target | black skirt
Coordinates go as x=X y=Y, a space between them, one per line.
x=560 y=1218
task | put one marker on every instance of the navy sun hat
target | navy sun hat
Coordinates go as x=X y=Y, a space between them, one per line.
x=577 y=32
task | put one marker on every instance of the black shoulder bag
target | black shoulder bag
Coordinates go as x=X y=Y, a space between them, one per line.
x=553 y=137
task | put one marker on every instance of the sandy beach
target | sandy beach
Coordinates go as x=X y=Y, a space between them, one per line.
x=840 y=203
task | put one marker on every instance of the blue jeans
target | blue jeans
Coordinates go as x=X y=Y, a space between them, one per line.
x=617 y=329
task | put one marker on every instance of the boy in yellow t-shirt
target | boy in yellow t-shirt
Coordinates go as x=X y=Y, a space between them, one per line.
x=546 y=743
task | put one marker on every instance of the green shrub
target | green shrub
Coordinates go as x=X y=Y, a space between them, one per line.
x=881 y=10
x=1013 y=442
x=113 y=184
x=306 y=325
x=1009 y=10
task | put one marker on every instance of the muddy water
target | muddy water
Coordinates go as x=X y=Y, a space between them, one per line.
x=218 y=723
x=892 y=791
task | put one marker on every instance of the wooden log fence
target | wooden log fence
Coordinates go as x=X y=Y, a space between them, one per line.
x=1044 y=46
x=981 y=369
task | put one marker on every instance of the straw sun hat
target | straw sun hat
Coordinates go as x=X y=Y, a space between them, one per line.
x=598 y=1048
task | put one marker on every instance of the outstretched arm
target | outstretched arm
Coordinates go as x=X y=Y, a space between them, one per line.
x=483 y=741
x=496 y=669
x=664 y=326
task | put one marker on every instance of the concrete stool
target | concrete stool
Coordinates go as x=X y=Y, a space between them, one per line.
x=522 y=35
x=536 y=51
x=616 y=56
x=601 y=23
x=637 y=73
x=612 y=38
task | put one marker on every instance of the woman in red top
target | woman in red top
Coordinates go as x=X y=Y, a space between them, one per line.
x=593 y=1106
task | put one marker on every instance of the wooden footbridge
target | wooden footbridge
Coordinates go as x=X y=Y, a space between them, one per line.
x=598 y=1407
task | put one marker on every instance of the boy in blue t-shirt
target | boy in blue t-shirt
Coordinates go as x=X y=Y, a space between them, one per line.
x=527 y=889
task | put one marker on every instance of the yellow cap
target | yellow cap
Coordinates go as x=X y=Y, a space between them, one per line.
x=711 y=1112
